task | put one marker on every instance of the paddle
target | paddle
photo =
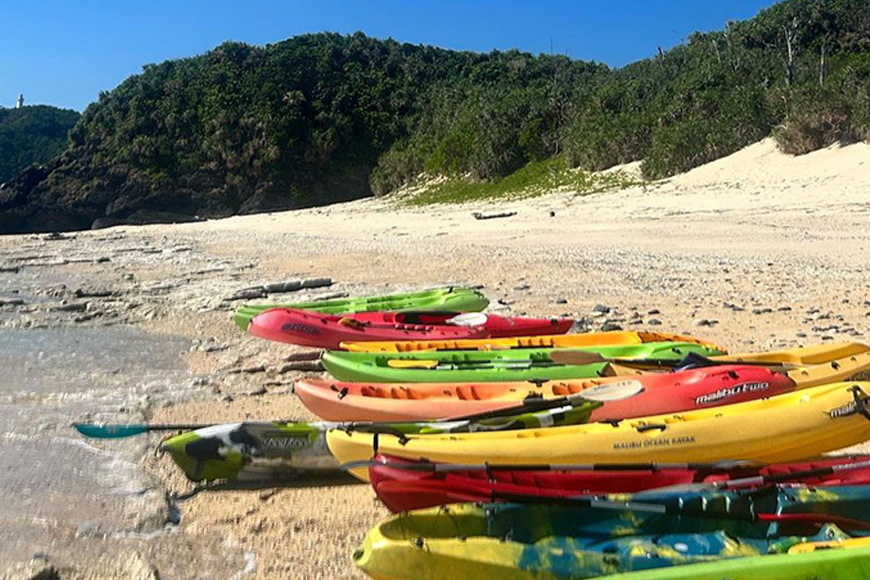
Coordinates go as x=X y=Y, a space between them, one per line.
x=691 y=360
x=121 y=430
x=599 y=393
x=656 y=508
x=760 y=480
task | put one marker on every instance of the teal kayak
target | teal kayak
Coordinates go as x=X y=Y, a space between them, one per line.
x=523 y=364
x=590 y=537
x=450 y=299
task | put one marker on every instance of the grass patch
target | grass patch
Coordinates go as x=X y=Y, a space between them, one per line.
x=536 y=178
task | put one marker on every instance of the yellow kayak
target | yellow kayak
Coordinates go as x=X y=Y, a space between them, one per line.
x=788 y=427
x=619 y=337
x=832 y=545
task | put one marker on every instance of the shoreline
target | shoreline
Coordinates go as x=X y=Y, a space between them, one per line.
x=754 y=251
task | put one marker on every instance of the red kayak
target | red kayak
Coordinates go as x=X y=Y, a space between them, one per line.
x=657 y=394
x=329 y=331
x=405 y=485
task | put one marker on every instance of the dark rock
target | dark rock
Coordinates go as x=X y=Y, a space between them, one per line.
x=11 y=302
x=601 y=308
x=784 y=309
x=105 y=222
x=70 y=307
x=479 y=215
x=653 y=311
x=92 y=293
x=310 y=283
x=248 y=294
x=522 y=286
x=332 y=296
x=654 y=322
x=610 y=326
x=283 y=287
x=302 y=365
x=10 y=269
x=561 y=301
x=705 y=322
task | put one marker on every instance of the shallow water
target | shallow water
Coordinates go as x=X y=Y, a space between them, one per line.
x=59 y=491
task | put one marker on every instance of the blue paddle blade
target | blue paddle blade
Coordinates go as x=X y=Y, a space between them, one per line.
x=109 y=431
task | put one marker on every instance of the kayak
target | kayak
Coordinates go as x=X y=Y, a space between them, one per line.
x=784 y=428
x=330 y=331
x=468 y=366
x=274 y=450
x=592 y=537
x=537 y=366
x=660 y=392
x=846 y=564
x=452 y=298
x=404 y=485
x=547 y=341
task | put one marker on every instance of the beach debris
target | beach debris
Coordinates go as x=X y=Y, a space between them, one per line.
x=479 y=215
x=279 y=288
x=312 y=366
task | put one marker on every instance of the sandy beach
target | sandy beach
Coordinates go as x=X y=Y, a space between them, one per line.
x=755 y=251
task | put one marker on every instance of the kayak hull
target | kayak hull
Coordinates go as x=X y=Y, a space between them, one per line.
x=320 y=330
x=562 y=542
x=453 y=299
x=785 y=428
x=658 y=394
x=404 y=485
x=616 y=337
x=532 y=364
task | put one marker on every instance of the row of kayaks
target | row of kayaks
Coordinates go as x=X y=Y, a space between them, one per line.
x=509 y=448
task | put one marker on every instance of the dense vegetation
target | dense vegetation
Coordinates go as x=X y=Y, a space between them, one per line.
x=321 y=118
x=32 y=135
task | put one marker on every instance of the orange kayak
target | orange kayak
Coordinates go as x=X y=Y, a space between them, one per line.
x=660 y=393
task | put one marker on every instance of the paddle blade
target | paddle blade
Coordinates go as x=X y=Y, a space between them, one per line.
x=398 y=363
x=615 y=391
x=117 y=431
x=575 y=357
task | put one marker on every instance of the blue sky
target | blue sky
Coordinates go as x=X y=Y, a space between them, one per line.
x=64 y=52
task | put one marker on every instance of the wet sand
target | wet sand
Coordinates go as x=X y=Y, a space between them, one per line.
x=756 y=251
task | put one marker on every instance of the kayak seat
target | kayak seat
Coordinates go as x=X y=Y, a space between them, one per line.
x=398 y=393
x=564 y=389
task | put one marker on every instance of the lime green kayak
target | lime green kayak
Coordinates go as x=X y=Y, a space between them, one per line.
x=831 y=564
x=450 y=299
x=475 y=366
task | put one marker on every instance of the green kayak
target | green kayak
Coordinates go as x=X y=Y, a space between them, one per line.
x=450 y=299
x=836 y=564
x=525 y=364
x=273 y=450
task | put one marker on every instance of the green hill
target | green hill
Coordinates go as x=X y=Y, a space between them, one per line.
x=322 y=118
x=32 y=134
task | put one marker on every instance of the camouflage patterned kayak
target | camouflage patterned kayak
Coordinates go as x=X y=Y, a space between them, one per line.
x=450 y=299
x=263 y=451
x=592 y=537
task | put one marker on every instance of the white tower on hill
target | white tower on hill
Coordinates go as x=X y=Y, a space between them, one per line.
x=20 y=101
